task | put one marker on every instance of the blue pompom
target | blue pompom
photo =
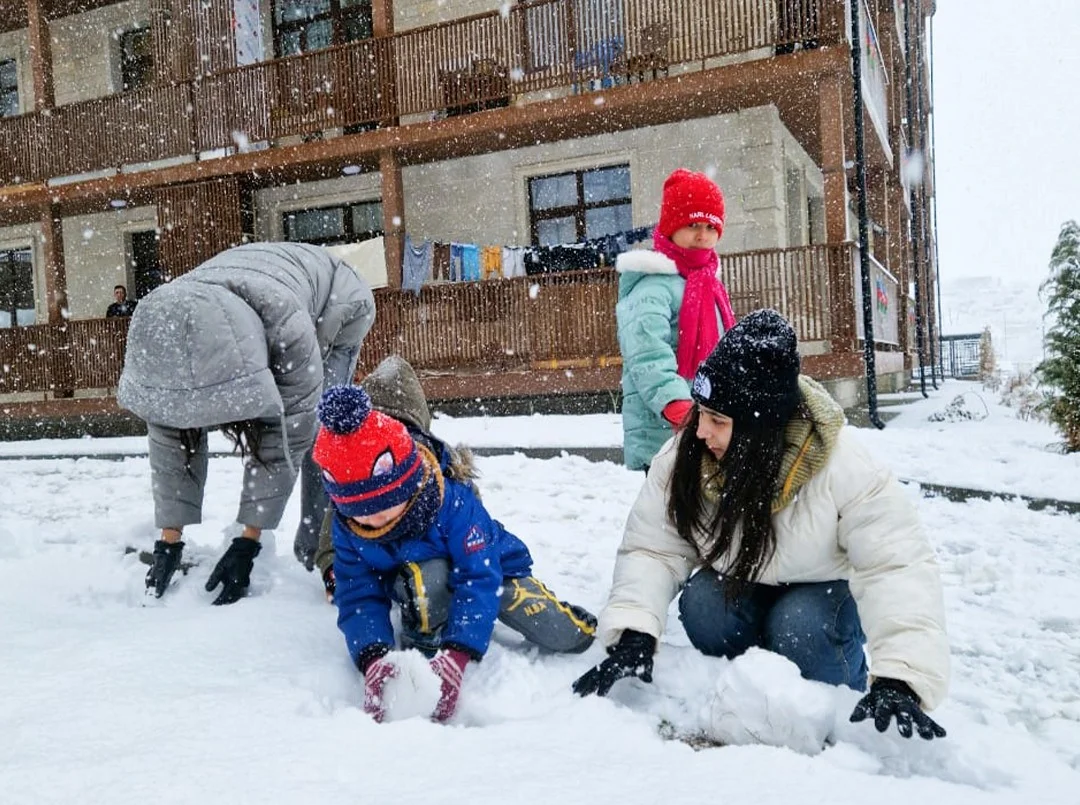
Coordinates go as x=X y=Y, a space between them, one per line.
x=343 y=409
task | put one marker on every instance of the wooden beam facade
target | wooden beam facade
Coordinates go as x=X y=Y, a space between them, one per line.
x=40 y=47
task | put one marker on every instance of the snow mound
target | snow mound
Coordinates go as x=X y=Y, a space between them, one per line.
x=760 y=698
x=961 y=409
x=414 y=691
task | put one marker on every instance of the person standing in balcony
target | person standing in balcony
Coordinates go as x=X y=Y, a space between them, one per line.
x=121 y=306
x=800 y=540
x=244 y=343
x=671 y=312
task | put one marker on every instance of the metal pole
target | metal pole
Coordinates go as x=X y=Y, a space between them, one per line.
x=920 y=113
x=933 y=172
x=864 y=216
x=916 y=211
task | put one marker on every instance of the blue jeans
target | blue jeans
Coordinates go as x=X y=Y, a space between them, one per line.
x=816 y=626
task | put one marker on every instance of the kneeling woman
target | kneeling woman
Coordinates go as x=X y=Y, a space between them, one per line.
x=801 y=541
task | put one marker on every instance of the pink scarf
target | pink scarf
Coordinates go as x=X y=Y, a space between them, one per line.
x=704 y=294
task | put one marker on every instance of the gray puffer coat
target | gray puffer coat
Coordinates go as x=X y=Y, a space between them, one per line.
x=248 y=335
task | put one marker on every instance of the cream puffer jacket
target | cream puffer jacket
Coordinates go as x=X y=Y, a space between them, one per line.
x=851 y=520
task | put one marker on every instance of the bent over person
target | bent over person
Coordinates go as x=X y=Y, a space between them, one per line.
x=244 y=343
x=777 y=529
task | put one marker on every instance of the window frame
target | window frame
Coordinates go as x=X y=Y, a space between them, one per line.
x=577 y=210
x=7 y=264
x=349 y=233
x=140 y=65
x=338 y=16
x=13 y=90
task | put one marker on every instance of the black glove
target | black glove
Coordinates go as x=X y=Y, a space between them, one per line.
x=631 y=656
x=304 y=555
x=892 y=697
x=166 y=561
x=330 y=583
x=234 y=570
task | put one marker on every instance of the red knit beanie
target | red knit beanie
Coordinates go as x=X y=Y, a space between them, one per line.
x=369 y=461
x=690 y=197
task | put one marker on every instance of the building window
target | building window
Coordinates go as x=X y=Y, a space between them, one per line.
x=326 y=226
x=136 y=59
x=301 y=26
x=579 y=205
x=16 y=288
x=9 y=88
x=143 y=262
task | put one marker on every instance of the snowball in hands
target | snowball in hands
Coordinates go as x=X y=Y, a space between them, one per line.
x=414 y=691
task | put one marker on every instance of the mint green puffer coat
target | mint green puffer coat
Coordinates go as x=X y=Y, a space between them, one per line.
x=647 y=315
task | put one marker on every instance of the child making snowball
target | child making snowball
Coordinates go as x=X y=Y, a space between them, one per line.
x=404 y=532
x=670 y=300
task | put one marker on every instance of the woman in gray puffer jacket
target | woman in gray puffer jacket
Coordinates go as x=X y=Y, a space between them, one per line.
x=245 y=342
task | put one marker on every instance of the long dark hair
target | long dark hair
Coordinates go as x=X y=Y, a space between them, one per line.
x=747 y=480
x=245 y=435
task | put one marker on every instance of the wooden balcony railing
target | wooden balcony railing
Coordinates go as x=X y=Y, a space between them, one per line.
x=462 y=65
x=523 y=323
x=794 y=281
x=85 y=354
x=497 y=324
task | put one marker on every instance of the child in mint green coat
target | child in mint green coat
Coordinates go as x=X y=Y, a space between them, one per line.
x=671 y=312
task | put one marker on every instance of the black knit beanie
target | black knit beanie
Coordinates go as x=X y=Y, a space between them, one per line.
x=753 y=374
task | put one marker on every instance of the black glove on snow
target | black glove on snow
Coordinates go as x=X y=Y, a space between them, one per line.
x=304 y=555
x=234 y=570
x=631 y=656
x=892 y=697
x=330 y=583
x=166 y=561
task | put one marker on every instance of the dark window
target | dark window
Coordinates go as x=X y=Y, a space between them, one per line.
x=9 y=88
x=325 y=226
x=145 y=265
x=16 y=288
x=581 y=205
x=301 y=26
x=136 y=59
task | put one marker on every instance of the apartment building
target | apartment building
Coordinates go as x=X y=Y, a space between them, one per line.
x=138 y=138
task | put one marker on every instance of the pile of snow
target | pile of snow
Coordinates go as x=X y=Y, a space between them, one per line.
x=960 y=410
x=760 y=698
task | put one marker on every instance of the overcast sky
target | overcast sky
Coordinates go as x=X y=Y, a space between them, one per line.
x=1007 y=103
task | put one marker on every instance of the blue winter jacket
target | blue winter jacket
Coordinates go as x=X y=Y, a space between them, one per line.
x=480 y=551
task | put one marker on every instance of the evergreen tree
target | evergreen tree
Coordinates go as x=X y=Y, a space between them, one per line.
x=988 y=368
x=1060 y=371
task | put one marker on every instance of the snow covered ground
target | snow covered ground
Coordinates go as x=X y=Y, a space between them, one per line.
x=106 y=701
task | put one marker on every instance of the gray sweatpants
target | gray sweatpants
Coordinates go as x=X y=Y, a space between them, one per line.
x=338 y=369
x=526 y=606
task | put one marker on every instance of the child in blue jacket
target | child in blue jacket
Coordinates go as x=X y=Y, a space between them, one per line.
x=407 y=531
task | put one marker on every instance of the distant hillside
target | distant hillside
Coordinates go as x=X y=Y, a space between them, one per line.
x=1010 y=307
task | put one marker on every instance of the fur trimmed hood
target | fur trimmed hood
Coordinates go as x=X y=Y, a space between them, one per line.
x=645 y=261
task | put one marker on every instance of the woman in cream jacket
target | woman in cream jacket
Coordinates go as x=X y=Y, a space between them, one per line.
x=802 y=543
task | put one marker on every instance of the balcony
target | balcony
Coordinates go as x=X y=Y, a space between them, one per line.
x=464 y=65
x=494 y=337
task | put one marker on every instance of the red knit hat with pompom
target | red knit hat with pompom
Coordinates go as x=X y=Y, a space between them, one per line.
x=369 y=461
x=689 y=198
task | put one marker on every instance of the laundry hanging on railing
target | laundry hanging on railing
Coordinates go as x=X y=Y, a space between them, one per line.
x=467 y=262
